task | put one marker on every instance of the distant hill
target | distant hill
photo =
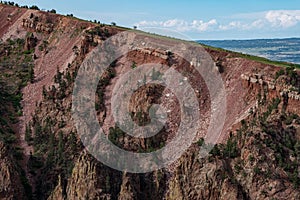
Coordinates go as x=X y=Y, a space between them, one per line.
x=287 y=50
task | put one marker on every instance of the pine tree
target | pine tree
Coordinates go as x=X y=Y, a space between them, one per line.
x=60 y=146
x=50 y=156
x=28 y=134
x=31 y=75
x=73 y=141
x=58 y=76
x=69 y=77
x=44 y=92
x=37 y=132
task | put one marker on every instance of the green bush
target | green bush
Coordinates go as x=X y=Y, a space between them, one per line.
x=133 y=66
x=231 y=149
x=27 y=52
x=215 y=151
x=52 y=11
x=256 y=170
x=279 y=73
x=10 y=139
x=115 y=134
x=200 y=142
x=34 y=7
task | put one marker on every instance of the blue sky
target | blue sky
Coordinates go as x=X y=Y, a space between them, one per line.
x=211 y=19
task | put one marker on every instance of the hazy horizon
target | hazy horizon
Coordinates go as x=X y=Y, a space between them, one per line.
x=287 y=49
x=283 y=38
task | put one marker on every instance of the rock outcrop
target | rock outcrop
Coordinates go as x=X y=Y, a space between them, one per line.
x=272 y=84
x=30 y=42
x=34 y=23
x=11 y=186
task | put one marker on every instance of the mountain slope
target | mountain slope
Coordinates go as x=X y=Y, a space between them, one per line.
x=258 y=154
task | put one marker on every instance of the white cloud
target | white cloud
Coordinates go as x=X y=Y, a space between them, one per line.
x=278 y=19
x=283 y=18
x=231 y=25
x=272 y=19
x=148 y=23
x=203 y=26
x=257 y=24
x=181 y=25
x=238 y=25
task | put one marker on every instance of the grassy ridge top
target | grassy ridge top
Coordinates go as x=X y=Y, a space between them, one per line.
x=255 y=58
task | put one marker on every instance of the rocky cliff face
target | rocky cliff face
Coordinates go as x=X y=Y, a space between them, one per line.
x=257 y=158
x=10 y=178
